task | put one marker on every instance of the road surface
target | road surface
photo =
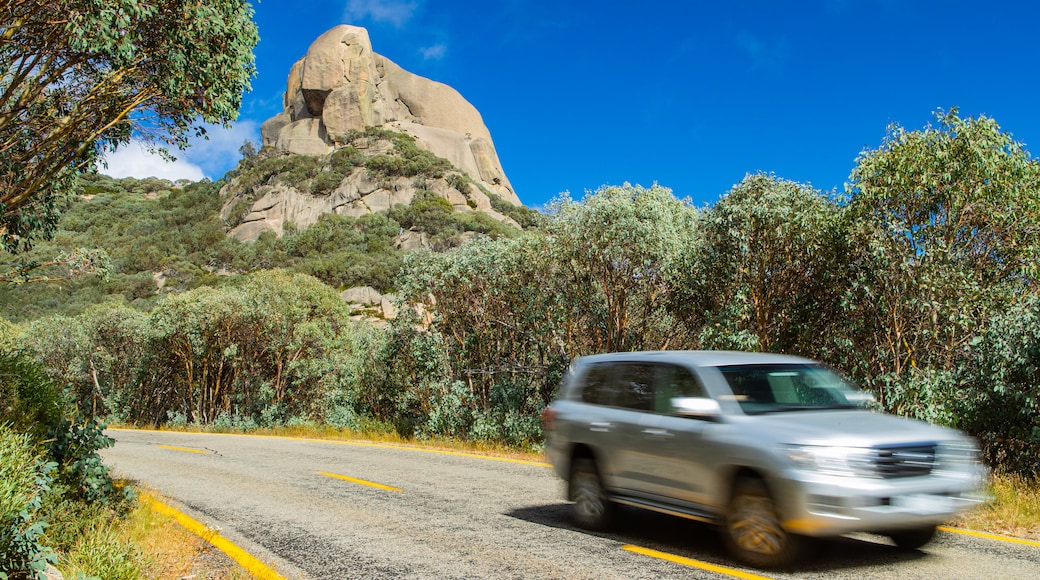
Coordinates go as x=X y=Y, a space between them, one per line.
x=338 y=510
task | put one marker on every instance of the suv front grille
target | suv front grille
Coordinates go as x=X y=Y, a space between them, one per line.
x=911 y=461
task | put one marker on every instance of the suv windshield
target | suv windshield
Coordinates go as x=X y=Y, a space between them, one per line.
x=774 y=388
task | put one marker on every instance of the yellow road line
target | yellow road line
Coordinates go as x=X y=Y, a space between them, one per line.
x=694 y=563
x=359 y=481
x=353 y=443
x=255 y=567
x=187 y=449
x=990 y=536
x=437 y=451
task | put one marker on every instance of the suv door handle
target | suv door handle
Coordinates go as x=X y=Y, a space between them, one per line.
x=600 y=426
x=658 y=433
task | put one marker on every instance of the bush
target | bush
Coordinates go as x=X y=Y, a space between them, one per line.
x=74 y=446
x=999 y=390
x=523 y=215
x=459 y=183
x=24 y=479
x=325 y=182
x=29 y=401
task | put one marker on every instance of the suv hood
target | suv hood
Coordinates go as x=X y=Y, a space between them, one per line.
x=852 y=428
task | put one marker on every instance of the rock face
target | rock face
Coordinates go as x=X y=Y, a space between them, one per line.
x=342 y=87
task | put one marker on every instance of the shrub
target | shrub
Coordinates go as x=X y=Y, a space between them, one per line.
x=325 y=182
x=345 y=159
x=523 y=215
x=999 y=398
x=73 y=446
x=29 y=401
x=459 y=183
x=24 y=479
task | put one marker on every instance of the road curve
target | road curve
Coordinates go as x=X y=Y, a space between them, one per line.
x=322 y=509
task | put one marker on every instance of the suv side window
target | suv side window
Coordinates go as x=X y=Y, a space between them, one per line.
x=675 y=381
x=627 y=385
x=598 y=388
x=636 y=382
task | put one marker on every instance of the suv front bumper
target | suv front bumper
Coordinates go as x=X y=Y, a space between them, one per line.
x=816 y=505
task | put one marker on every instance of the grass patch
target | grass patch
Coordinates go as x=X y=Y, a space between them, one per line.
x=176 y=552
x=1014 y=511
x=98 y=542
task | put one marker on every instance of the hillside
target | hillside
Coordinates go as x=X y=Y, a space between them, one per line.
x=164 y=237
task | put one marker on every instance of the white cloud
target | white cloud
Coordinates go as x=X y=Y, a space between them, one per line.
x=134 y=160
x=435 y=52
x=396 y=12
x=220 y=153
x=210 y=158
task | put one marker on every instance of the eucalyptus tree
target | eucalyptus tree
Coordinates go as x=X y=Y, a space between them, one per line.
x=947 y=222
x=761 y=273
x=81 y=77
x=500 y=318
x=615 y=250
x=244 y=350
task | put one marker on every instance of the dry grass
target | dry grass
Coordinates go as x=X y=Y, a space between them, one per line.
x=174 y=552
x=1014 y=511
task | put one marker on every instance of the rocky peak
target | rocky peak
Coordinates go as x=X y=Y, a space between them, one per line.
x=359 y=134
x=341 y=87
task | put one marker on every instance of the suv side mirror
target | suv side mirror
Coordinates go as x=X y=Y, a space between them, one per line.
x=697 y=408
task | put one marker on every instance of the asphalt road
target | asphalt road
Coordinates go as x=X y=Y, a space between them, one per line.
x=286 y=502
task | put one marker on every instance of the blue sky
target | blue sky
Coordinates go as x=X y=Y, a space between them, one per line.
x=689 y=94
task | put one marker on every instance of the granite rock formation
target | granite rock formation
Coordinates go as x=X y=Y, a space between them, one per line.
x=340 y=89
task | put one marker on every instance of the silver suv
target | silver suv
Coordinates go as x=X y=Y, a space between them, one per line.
x=771 y=448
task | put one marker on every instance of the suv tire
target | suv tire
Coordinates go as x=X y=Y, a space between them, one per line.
x=752 y=530
x=592 y=509
x=912 y=539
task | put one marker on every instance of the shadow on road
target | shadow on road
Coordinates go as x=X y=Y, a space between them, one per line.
x=700 y=541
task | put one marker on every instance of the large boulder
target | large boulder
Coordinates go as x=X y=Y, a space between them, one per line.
x=341 y=86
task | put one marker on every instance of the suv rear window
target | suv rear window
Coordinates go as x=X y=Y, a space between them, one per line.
x=639 y=386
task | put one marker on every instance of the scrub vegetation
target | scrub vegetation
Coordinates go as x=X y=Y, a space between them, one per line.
x=919 y=282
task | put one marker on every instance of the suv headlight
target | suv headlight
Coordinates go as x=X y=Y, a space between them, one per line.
x=843 y=461
x=958 y=456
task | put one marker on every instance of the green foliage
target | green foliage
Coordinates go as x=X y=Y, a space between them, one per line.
x=146 y=227
x=407 y=159
x=343 y=252
x=81 y=77
x=956 y=194
x=505 y=347
x=944 y=231
x=617 y=248
x=345 y=159
x=998 y=395
x=73 y=445
x=325 y=182
x=762 y=263
x=920 y=285
x=245 y=350
x=459 y=183
x=248 y=149
x=426 y=213
x=523 y=215
x=24 y=479
x=29 y=401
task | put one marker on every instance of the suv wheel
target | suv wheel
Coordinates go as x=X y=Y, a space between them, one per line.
x=912 y=539
x=592 y=509
x=752 y=529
